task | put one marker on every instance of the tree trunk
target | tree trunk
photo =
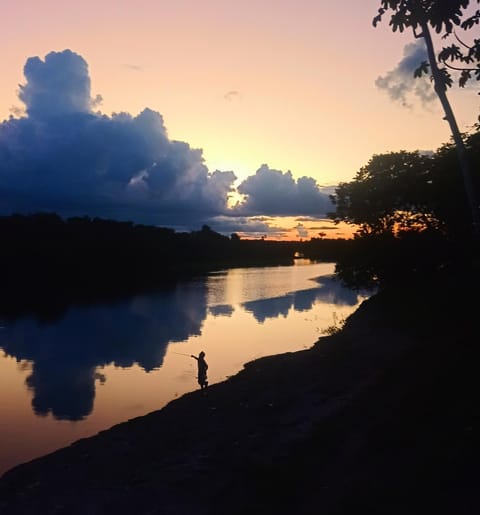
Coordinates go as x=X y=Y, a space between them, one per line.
x=465 y=168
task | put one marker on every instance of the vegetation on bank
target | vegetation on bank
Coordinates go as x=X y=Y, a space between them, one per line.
x=416 y=213
x=419 y=213
x=412 y=215
x=46 y=259
x=385 y=420
x=410 y=210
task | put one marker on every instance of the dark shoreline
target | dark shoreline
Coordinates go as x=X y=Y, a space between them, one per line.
x=381 y=417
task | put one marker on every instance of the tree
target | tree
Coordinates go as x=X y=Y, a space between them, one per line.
x=409 y=191
x=442 y=16
x=411 y=215
x=391 y=193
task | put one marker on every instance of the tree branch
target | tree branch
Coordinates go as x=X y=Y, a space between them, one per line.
x=460 y=41
x=458 y=69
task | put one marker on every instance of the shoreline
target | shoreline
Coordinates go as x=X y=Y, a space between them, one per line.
x=359 y=422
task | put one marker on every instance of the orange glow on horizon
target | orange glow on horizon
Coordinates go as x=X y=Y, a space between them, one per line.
x=300 y=229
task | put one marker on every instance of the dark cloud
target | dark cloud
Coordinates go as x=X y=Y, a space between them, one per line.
x=62 y=156
x=254 y=225
x=400 y=83
x=276 y=193
x=132 y=331
x=57 y=86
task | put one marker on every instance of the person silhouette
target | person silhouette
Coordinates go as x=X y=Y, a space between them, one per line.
x=202 y=369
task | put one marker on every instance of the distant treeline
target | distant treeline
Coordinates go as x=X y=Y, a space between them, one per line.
x=47 y=256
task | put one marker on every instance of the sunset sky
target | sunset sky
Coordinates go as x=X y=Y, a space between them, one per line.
x=242 y=115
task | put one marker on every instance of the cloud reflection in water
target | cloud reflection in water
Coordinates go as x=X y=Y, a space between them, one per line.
x=66 y=353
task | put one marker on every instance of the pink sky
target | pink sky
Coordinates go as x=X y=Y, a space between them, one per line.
x=287 y=83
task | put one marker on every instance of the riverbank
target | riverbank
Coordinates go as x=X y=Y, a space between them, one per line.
x=381 y=417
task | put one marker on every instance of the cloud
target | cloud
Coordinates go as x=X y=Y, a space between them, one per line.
x=60 y=154
x=134 y=67
x=250 y=227
x=400 y=83
x=275 y=193
x=63 y=376
x=57 y=86
x=302 y=232
x=63 y=157
x=232 y=95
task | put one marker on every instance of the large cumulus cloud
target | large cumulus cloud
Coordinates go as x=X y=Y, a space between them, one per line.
x=65 y=156
x=273 y=192
x=58 y=85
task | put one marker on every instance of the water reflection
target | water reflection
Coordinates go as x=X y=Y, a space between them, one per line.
x=65 y=354
x=269 y=308
x=221 y=310
x=329 y=290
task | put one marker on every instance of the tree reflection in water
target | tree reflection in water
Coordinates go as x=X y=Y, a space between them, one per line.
x=65 y=353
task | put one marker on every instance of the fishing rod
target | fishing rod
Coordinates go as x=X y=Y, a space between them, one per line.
x=182 y=354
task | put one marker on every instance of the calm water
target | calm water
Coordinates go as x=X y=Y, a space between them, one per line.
x=103 y=364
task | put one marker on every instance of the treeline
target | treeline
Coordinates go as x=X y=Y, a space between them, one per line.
x=47 y=258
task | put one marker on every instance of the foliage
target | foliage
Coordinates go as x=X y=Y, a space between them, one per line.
x=442 y=16
x=411 y=215
x=335 y=327
x=381 y=260
x=408 y=191
x=324 y=249
x=392 y=192
x=83 y=257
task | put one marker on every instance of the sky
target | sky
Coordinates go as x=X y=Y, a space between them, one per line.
x=240 y=115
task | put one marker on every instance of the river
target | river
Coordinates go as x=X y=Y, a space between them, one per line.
x=100 y=364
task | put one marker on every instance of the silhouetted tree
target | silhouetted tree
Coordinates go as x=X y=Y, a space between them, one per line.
x=391 y=192
x=442 y=16
x=411 y=214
